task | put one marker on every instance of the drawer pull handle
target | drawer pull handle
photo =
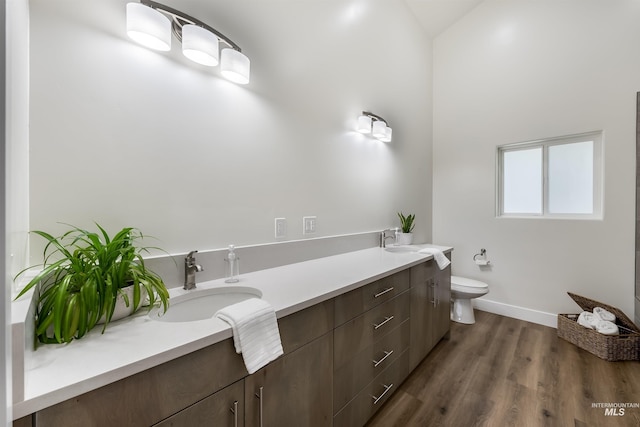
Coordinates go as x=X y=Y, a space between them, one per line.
x=386 y=354
x=259 y=395
x=379 y=294
x=386 y=319
x=434 y=301
x=234 y=411
x=386 y=389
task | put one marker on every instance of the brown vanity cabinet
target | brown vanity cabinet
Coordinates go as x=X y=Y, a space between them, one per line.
x=342 y=360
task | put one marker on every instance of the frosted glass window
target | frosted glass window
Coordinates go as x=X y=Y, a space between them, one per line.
x=557 y=177
x=571 y=178
x=522 y=177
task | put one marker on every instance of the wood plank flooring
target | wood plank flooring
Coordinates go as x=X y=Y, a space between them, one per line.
x=507 y=372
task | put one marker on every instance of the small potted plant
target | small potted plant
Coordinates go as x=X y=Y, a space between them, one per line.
x=86 y=277
x=405 y=237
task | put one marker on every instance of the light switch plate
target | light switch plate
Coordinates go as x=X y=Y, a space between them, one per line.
x=280 y=227
x=308 y=224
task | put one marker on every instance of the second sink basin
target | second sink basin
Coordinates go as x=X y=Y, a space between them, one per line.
x=402 y=248
x=201 y=304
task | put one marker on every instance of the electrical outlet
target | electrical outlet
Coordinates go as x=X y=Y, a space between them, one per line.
x=281 y=227
x=308 y=224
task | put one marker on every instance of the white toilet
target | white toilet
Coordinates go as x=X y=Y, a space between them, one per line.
x=462 y=291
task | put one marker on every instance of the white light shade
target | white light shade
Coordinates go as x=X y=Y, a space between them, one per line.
x=379 y=129
x=235 y=66
x=364 y=124
x=387 y=135
x=148 y=27
x=200 y=45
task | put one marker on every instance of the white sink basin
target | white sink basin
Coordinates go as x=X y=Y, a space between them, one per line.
x=202 y=304
x=401 y=248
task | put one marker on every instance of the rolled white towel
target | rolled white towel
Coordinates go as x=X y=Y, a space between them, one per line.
x=588 y=320
x=604 y=314
x=607 y=328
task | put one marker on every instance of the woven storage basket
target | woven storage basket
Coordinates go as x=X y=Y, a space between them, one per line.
x=625 y=346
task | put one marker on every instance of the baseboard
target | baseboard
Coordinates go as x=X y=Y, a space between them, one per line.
x=522 y=313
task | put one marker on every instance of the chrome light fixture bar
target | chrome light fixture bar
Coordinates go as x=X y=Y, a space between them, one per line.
x=151 y=24
x=375 y=125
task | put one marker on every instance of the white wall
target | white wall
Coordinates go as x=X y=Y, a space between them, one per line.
x=14 y=170
x=513 y=71
x=17 y=148
x=126 y=136
x=5 y=331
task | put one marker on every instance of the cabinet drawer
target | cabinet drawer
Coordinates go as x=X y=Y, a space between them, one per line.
x=373 y=396
x=224 y=408
x=361 y=332
x=300 y=328
x=356 y=302
x=366 y=365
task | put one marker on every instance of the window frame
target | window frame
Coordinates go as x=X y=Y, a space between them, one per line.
x=597 y=137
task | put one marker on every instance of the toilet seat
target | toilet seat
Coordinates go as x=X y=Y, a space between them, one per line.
x=471 y=286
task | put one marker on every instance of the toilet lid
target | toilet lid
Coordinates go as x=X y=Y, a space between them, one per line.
x=463 y=281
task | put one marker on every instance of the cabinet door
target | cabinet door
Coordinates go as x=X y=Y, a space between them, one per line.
x=422 y=308
x=294 y=390
x=222 y=409
x=442 y=312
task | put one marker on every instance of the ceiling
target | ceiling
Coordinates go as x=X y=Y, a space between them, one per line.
x=437 y=15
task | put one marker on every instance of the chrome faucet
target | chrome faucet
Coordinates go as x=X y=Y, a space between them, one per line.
x=384 y=237
x=190 y=270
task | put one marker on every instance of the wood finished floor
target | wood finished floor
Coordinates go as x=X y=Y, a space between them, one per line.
x=507 y=372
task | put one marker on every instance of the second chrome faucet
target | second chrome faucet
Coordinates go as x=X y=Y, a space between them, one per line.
x=190 y=270
x=384 y=237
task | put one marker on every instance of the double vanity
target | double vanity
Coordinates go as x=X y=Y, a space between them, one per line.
x=353 y=326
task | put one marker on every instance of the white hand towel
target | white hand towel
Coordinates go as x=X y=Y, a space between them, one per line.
x=588 y=320
x=604 y=314
x=255 y=331
x=438 y=255
x=607 y=328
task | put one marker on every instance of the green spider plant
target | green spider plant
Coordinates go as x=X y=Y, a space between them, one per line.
x=406 y=222
x=81 y=277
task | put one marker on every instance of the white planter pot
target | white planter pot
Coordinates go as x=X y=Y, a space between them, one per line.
x=404 y=239
x=122 y=310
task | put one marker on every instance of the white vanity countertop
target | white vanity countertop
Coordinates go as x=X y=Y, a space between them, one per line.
x=55 y=373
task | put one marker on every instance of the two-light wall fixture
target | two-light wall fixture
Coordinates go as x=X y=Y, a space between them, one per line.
x=151 y=24
x=375 y=125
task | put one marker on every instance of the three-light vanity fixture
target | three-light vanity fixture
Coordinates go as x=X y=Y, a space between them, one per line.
x=375 y=125
x=151 y=24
